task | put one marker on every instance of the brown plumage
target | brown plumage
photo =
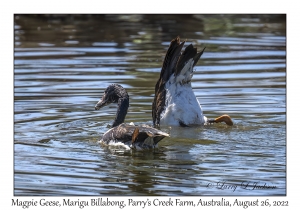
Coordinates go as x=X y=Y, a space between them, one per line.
x=134 y=136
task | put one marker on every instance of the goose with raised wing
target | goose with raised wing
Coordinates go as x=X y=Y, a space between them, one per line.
x=134 y=136
x=175 y=102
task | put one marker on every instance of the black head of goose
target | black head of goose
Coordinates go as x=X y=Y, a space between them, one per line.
x=131 y=135
x=175 y=102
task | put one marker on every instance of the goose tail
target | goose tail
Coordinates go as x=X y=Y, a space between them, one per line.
x=185 y=66
x=176 y=67
x=168 y=69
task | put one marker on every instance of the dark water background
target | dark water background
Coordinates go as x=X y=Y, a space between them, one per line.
x=63 y=63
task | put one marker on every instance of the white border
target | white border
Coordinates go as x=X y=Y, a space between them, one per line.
x=29 y=6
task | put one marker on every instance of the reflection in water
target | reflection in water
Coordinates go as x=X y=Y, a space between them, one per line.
x=62 y=64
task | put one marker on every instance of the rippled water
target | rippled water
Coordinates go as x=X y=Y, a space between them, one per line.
x=63 y=64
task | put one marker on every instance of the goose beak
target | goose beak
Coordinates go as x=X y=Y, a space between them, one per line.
x=100 y=104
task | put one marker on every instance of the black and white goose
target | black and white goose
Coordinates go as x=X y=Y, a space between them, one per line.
x=128 y=134
x=175 y=102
